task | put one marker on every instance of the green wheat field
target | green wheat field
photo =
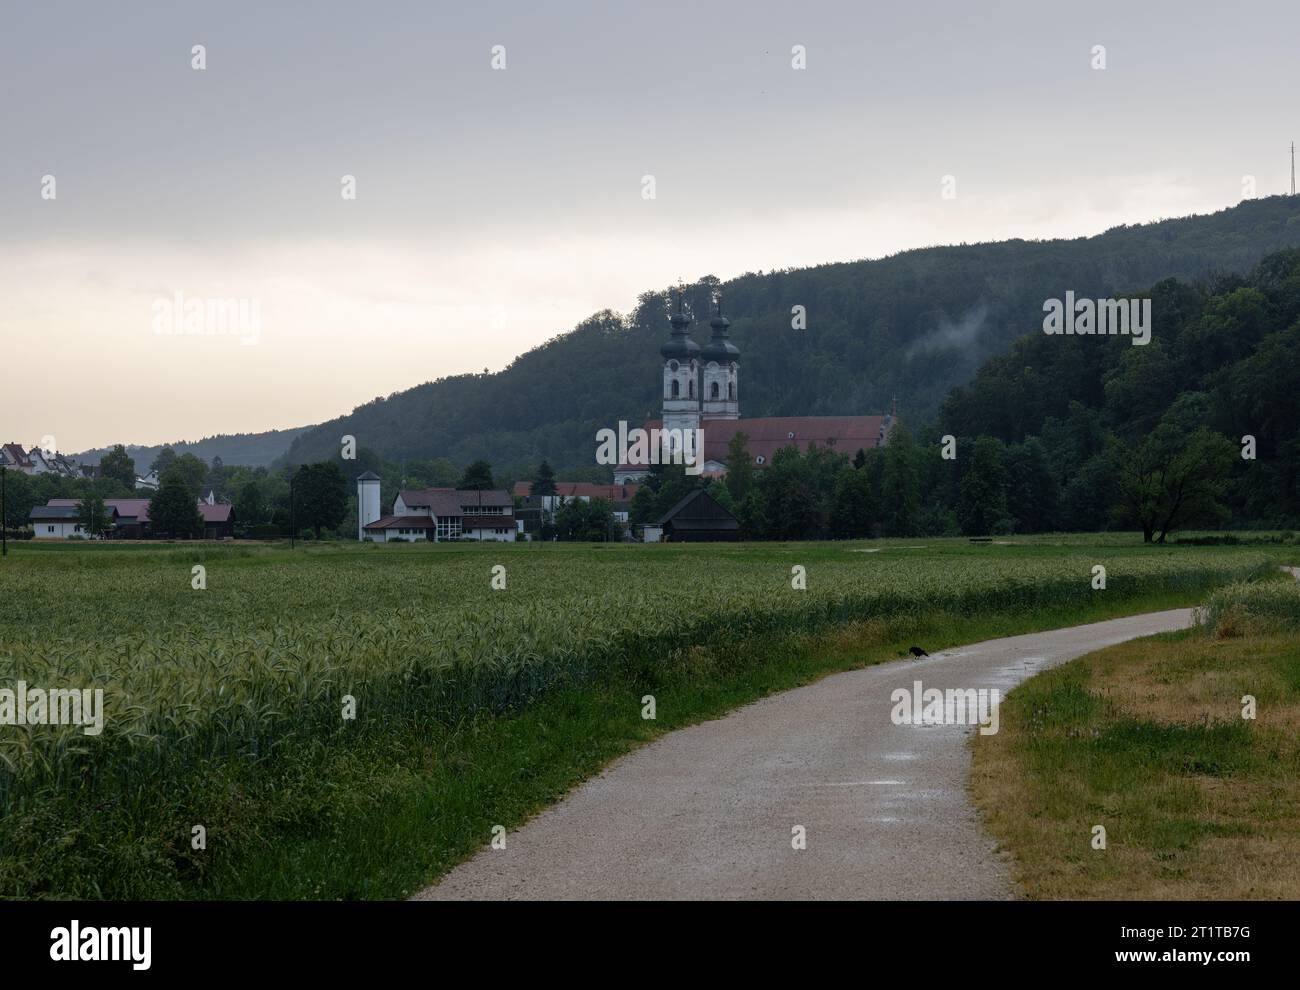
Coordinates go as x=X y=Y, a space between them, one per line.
x=225 y=706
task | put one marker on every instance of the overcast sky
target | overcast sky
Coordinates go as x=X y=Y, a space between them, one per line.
x=496 y=208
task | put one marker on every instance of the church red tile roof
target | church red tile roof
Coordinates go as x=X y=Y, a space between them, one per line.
x=769 y=434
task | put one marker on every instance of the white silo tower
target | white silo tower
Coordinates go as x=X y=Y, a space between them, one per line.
x=367 y=502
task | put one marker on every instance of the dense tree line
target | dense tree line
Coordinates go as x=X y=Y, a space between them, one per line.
x=1200 y=426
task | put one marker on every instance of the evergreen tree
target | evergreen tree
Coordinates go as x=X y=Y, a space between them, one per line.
x=740 y=467
x=477 y=477
x=644 y=503
x=899 y=489
x=216 y=481
x=543 y=481
x=118 y=466
x=173 y=510
x=163 y=462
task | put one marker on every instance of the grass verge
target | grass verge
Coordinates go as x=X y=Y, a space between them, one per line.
x=1147 y=739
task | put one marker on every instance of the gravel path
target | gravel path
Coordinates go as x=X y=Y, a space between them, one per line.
x=707 y=811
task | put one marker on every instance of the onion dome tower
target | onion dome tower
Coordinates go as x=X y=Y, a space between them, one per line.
x=681 y=410
x=721 y=361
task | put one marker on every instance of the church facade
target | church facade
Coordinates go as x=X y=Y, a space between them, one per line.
x=701 y=390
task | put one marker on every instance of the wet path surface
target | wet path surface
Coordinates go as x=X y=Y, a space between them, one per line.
x=707 y=811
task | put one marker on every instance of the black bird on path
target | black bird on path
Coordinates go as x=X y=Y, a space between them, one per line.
x=917 y=652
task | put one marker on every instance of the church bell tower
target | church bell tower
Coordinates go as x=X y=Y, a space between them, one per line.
x=681 y=409
x=721 y=361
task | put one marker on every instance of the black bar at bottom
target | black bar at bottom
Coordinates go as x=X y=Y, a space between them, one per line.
x=927 y=942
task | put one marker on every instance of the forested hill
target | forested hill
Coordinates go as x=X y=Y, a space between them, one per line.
x=913 y=325
x=234 y=449
x=1086 y=425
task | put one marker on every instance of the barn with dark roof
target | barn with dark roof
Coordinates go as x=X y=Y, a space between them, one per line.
x=698 y=517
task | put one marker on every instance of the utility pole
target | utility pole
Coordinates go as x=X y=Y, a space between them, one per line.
x=1292 y=168
x=293 y=526
x=4 y=514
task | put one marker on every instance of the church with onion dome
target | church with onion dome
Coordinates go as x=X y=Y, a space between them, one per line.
x=701 y=390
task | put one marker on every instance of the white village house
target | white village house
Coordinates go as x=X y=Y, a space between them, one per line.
x=37 y=461
x=618 y=496
x=61 y=522
x=436 y=514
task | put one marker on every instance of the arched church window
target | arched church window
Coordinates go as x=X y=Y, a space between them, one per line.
x=731 y=391
x=677 y=388
x=713 y=390
x=692 y=388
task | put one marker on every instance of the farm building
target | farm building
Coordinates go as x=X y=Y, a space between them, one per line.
x=436 y=514
x=617 y=495
x=130 y=518
x=536 y=510
x=60 y=522
x=697 y=518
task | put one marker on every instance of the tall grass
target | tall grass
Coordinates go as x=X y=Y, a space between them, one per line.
x=1253 y=608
